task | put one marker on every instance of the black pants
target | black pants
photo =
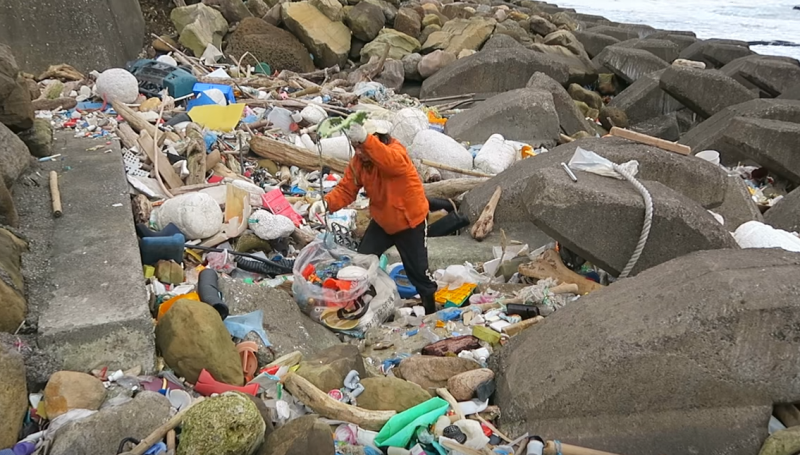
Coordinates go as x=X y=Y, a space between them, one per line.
x=413 y=249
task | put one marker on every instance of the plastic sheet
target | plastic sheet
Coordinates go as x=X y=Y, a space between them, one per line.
x=399 y=429
x=584 y=160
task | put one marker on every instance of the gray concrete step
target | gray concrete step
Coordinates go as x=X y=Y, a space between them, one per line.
x=98 y=312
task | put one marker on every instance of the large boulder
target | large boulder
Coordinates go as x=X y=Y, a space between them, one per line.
x=191 y=337
x=644 y=99
x=103 y=431
x=304 y=435
x=663 y=127
x=600 y=219
x=232 y=10
x=13 y=396
x=492 y=72
x=524 y=115
x=409 y=22
x=53 y=33
x=391 y=394
x=705 y=92
x=270 y=44
x=226 y=424
x=709 y=134
x=399 y=43
x=431 y=372
x=431 y=63
x=664 y=353
x=581 y=70
x=365 y=20
x=622 y=34
x=569 y=117
x=682 y=41
x=39 y=138
x=333 y=9
x=69 y=390
x=594 y=43
x=664 y=49
x=500 y=41
x=16 y=110
x=328 y=41
x=198 y=26
x=13 y=304
x=770 y=143
x=287 y=327
x=629 y=64
x=14 y=156
x=460 y=34
x=566 y=39
x=541 y=26
x=328 y=369
x=720 y=55
x=786 y=213
x=696 y=179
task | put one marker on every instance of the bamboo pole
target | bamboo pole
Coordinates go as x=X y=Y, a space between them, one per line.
x=650 y=140
x=55 y=195
x=458 y=170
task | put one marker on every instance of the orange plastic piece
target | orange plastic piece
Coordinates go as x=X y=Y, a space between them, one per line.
x=308 y=271
x=337 y=285
x=247 y=353
x=164 y=307
x=433 y=118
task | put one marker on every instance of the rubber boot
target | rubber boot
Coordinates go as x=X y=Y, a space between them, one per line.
x=429 y=303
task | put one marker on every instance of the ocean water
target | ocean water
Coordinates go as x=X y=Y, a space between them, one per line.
x=746 y=20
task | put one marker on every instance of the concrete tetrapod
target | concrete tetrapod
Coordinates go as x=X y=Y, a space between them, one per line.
x=600 y=219
x=689 y=355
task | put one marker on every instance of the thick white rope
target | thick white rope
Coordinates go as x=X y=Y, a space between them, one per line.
x=648 y=220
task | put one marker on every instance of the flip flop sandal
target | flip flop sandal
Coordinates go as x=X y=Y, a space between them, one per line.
x=331 y=319
x=247 y=354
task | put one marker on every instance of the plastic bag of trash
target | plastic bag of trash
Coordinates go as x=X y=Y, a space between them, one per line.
x=585 y=160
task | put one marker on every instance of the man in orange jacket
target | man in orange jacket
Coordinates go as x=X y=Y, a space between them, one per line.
x=397 y=204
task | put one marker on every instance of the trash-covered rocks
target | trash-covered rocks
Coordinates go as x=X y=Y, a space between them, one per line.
x=492 y=72
x=705 y=92
x=509 y=114
x=226 y=424
x=327 y=40
x=13 y=396
x=430 y=372
x=68 y=390
x=601 y=207
x=198 y=26
x=464 y=386
x=191 y=337
x=103 y=431
x=16 y=111
x=390 y=394
x=739 y=206
x=13 y=304
x=268 y=43
x=328 y=369
x=304 y=435
x=197 y=215
x=647 y=343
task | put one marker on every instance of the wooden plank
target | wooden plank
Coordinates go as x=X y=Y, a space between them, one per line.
x=146 y=145
x=650 y=140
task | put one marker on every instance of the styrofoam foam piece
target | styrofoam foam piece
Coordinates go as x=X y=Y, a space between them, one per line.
x=407 y=123
x=755 y=234
x=495 y=156
x=440 y=148
x=197 y=215
x=313 y=114
x=270 y=227
x=336 y=147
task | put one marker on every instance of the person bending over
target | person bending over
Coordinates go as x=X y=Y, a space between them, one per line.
x=397 y=204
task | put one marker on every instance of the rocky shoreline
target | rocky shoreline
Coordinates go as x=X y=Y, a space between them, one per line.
x=691 y=347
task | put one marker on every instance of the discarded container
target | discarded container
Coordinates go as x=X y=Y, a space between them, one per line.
x=404 y=287
x=154 y=249
x=496 y=155
x=281 y=118
x=154 y=76
x=336 y=147
x=455 y=297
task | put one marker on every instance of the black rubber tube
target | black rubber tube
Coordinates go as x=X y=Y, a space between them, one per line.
x=208 y=290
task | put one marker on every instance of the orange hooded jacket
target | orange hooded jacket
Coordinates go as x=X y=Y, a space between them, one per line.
x=396 y=197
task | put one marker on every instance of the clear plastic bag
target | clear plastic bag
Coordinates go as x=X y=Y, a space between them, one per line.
x=584 y=160
x=310 y=297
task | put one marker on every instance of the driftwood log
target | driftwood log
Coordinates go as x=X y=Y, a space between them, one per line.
x=452 y=188
x=55 y=194
x=126 y=135
x=549 y=265
x=483 y=227
x=290 y=155
x=332 y=409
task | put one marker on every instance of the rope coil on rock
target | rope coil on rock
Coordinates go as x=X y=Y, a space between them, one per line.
x=648 y=220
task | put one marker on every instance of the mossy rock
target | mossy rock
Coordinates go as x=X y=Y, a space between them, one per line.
x=229 y=424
